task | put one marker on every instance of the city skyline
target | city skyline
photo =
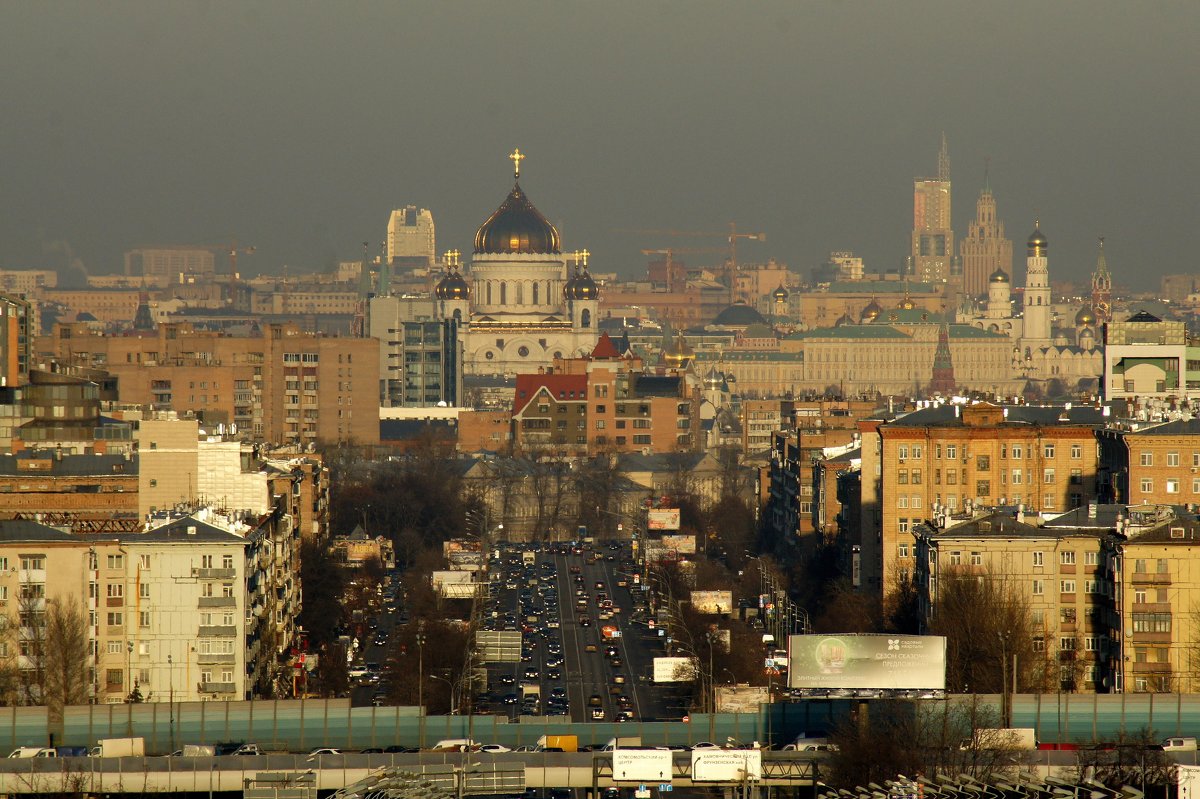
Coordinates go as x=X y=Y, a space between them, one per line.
x=299 y=132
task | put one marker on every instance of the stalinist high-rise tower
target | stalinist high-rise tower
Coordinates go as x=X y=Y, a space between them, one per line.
x=932 y=236
x=1035 y=332
x=985 y=248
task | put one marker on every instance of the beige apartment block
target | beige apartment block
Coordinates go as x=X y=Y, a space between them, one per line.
x=1056 y=572
x=949 y=456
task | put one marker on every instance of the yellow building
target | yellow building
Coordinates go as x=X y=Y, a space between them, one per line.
x=949 y=456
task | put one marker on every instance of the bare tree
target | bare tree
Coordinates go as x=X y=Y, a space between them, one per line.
x=986 y=621
x=66 y=683
x=922 y=738
x=10 y=668
x=1133 y=760
x=31 y=642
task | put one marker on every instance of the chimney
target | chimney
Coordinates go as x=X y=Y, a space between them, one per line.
x=1093 y=508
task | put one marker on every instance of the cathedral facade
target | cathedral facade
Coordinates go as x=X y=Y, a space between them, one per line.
x=518 y=302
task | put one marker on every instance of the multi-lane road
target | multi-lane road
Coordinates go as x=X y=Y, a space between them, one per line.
x=558 y=602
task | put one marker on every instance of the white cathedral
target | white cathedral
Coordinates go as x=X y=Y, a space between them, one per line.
x=518 y=304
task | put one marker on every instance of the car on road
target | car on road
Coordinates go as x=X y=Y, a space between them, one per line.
x=507 y=679
x=624 y=715
x=618 y=679
x=585 y=621
x=324 y=750
x=508 y=699
x=597 y=714
x=494 y=748
x=615 y=663
x=553 y=674
x=704 y=745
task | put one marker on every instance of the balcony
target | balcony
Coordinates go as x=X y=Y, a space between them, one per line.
x=217 y=631
x=218 y=687
x=218 y=602
x=1151 y=668
x=1151 y=578
x=215 y=660
x=215 y=574
x=1150 y=638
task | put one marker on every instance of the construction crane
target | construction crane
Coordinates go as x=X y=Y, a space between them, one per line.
x=732 y=235
x=231 y=249
x=676 y=278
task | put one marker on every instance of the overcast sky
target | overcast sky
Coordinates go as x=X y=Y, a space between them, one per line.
x=297 y=126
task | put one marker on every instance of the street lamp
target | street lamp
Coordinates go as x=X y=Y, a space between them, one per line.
x=449 y=684
x=171 y=700
x=421 y=679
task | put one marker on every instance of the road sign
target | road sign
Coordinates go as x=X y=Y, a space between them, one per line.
x=666 y=786
x=641 y=765
x=728 y=765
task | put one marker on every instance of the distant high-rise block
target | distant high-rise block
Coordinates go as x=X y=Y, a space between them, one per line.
x=411 y=239
x=985 y=250
x=932 y=235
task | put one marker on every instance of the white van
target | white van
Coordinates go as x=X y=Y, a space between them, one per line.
x=1179 y=744
x=41 y=751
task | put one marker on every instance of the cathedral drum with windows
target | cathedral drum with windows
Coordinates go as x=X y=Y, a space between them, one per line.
x=519 y=302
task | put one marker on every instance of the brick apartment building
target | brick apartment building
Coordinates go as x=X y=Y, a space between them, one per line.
x=279 y=385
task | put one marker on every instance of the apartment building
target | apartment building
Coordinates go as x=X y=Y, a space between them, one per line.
x=1057 y=572
x=1150 y=463
x=946 y=456
x=278 y=385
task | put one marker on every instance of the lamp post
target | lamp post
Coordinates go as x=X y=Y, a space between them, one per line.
x=171 y=700
x=421 y=680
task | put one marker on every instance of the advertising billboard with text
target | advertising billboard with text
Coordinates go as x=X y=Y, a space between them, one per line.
x=712 y=601
x=889 y=662
x=662 y=519
x=674 y=670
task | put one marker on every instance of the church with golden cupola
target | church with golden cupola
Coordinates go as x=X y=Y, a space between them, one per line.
x=521 y=302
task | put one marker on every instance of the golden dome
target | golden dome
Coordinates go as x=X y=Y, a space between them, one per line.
x=516 y=227
x=679 y=354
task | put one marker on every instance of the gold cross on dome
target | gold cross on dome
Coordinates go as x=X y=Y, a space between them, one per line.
x=584 y=255
x=517 y=157
x=453 y=256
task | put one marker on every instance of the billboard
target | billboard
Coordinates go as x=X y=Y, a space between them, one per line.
x=894 y=662
x=683 y=544
x=726 y=765
x=455 y=584
x=674 y=669
x=641 y=765
x=742 y=698
x=712 y=601
x=662 y=519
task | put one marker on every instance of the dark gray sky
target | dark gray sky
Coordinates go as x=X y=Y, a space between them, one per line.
x=297 y=126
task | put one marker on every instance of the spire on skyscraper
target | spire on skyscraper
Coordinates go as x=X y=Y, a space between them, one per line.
x=944 y=160
x=1102 y=288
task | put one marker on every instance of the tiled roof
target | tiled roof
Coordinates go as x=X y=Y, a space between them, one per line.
x=564 y=388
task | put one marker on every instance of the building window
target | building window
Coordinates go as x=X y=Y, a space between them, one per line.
x=1017 y=452
x=902 y=452
x=115 y=590
x=1039 y=587
x=144 y=618
x=903 y=549
x=1172 y=458
x=1066 y=586
x=1091 y=558
x=1047 y=475
x=902 y=477
x=983 y=488
x=1048 y=450
x=903 y=525
x=1067 y=557
x=983 y=463
x=1146 y=459
x=1147 y=485
x=976 y=559
x=1076 y=451
x=1172 y=485
x=955 y=558
x=115 y=619
x=116 y=561
x=1038 y=559
x=951 y=451
x=33 y=562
